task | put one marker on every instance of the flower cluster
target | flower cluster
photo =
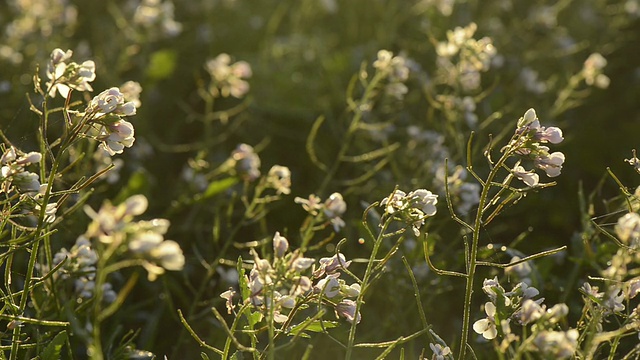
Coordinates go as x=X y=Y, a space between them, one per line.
x=157 y=17
x=518 y=306
x=13 y=174
x=246 y=162
x=279 y=178
x=412 y=208
x=527 y=143
x=65 y=76
x=592 y=71
x=330 y=210
x=107 y=109
x=80 y=266
x=144 y=240
x=473 y=56
x=281 y=284
x=227 y=78
x=395 y=70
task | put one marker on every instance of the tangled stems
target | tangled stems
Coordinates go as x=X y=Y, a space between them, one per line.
x=472 y=260
x=369 y=93
x=36 y=243
x=365 y=280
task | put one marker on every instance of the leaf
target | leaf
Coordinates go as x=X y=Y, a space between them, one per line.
x=311 y=325
x=204 y=356
x=161 y=64
x=217 y=187
x=54 y=348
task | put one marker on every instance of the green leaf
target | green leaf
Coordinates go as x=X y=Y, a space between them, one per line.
x=54 y=348
x=204 y=356
x=161 y=64
x=217 y=187
x=313 y=326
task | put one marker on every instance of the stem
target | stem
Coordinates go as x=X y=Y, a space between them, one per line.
x=353 y=126
x=472 y=259
x=365 y=285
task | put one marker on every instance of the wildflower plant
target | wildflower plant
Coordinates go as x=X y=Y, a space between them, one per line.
x=316 y=179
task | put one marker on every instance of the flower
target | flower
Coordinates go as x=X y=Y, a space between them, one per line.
x=332 y=265
x=333 y=208
x=311 y=205
x=116 y=136
x=551 y=164
x=492 y=288
x=347 y=309
x=592 y=71
x=423 y=200
x=530 y=311
x=131 y=91
x=439 y=352
x=328 y=286
x=64 y=77
x=528 y=177
x=628 y=228
x=395 y=202
x=228 y=79
x=559 y=344
x=487 y=327
x=280 y=245
x=111 y=101
x=302 y=263
x=247 y=162
x=279 y=178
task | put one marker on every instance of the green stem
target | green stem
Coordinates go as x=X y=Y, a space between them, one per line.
x=472 y=258
x=365 y=285
x=355 y=122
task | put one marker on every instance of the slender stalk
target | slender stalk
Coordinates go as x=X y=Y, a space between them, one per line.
x=365 y=285
x=353 y=126
x=473 y=253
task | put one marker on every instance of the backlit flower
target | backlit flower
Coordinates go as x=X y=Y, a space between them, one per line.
x=487 y=327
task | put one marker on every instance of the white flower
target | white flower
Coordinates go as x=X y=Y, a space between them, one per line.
x=396 y=202
x=117 y=136
x=332 y=264
x=169 y=255
x=487 y=327
x=440 y=352
x=530 y=311
x=280 y=245
x=247 y=162
x=559 y=344
x=352 y=290
x=551 y=164
x=302 y=263
x=131 y=91
x=424 y=200
x=279 y=178
x=628 y=228
x=347 y=309
x=144 y=242
x=111 y=101
x=49 y=212
x=329 y=286
x=228 y=296
x=228 y=79
x=528 y=177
